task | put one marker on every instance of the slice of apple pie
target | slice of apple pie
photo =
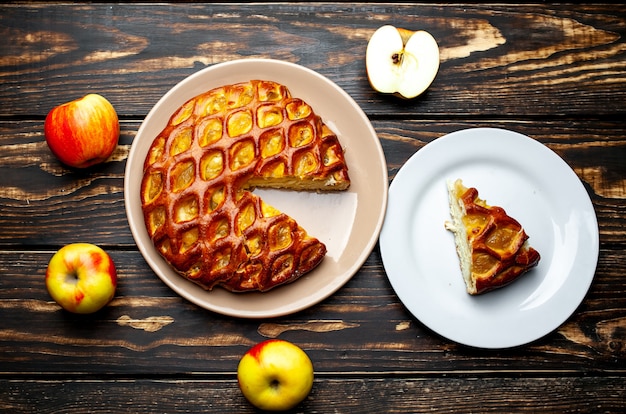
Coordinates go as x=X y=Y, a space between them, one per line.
x=493 y=247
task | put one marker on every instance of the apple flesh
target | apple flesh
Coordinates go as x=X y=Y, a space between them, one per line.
x=401 y=62
x=81 y=277
x=275 y=375
x=83 y=132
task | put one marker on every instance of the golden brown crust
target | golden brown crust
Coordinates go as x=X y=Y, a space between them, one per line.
x=492 y=246
x=197 y=209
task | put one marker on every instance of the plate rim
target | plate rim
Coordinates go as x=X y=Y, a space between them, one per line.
x=156 y=263
x=386 y=240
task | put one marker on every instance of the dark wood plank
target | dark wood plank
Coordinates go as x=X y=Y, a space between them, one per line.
x=496 y=60
x=363 y=328
x=44 y=203
x=354 y=395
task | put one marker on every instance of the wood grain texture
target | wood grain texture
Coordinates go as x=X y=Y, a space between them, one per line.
x=555 y=72
x=37 y=192
x=356 y=395
x=497 y=60
x=363 y=328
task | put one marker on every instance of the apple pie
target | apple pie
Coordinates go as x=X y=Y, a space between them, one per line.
x=199 y=173
x=493 y=247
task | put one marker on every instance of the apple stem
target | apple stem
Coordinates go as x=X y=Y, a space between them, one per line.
x=274 y=384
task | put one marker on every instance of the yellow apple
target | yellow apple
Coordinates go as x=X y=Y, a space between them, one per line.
x=275 y=375
x=81 y=277
x=401 y=62
x=83 y=132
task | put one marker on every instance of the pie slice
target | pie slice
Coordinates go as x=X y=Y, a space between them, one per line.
x=493 y=247
x=199 y=173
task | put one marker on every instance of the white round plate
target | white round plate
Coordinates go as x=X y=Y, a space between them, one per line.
x=535 y=186
x=348 y=222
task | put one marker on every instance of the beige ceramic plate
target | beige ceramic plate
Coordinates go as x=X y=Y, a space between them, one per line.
x=347 y=222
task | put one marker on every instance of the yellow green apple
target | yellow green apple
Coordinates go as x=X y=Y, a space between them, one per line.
x=275 y=375
x=401 y=62
x=81 y=277
x=83 y=132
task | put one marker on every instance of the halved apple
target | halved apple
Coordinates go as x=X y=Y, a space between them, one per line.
x=401 y=62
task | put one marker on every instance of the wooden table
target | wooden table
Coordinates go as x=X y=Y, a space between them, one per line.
x=556 y=73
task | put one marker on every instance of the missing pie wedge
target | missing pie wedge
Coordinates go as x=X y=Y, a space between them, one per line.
x=493 y=247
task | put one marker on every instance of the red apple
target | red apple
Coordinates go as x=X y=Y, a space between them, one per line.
x=275 y=375
x=81 y=277
x=82 y=132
